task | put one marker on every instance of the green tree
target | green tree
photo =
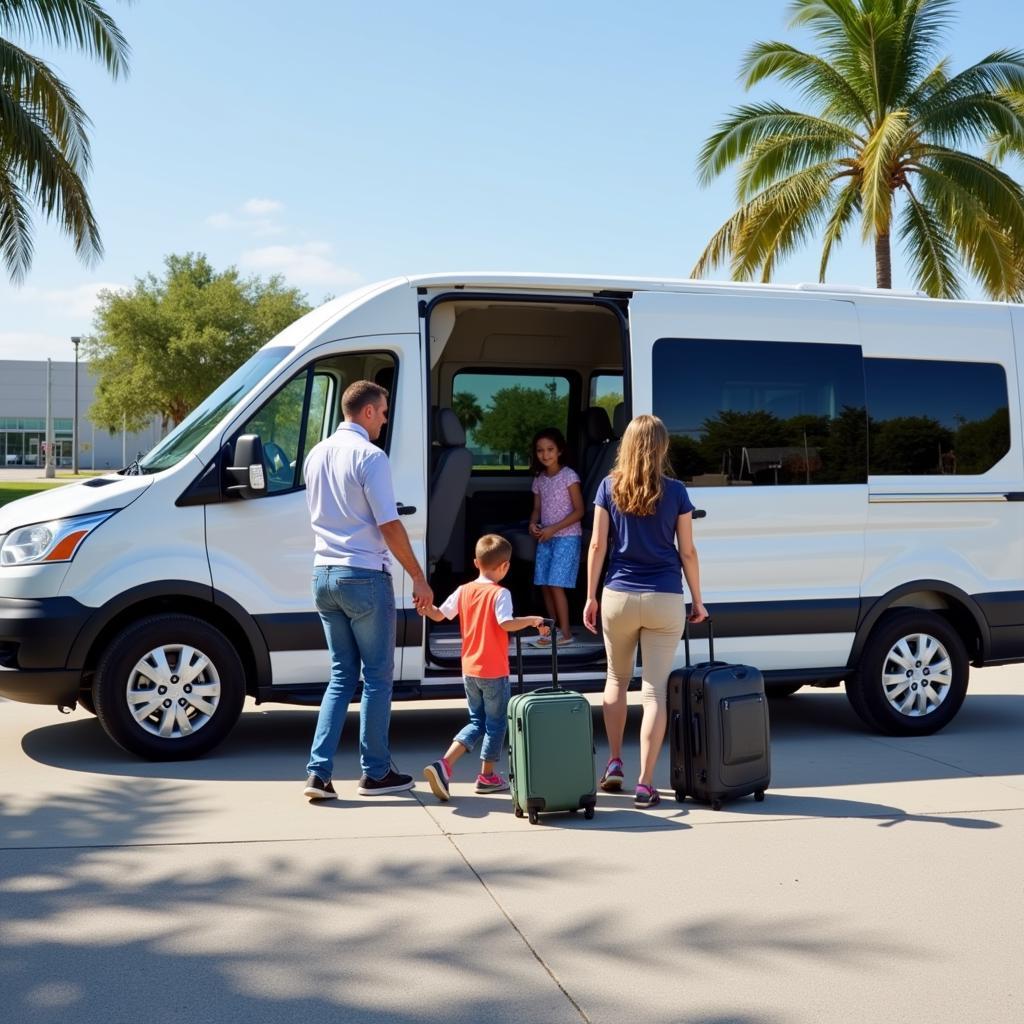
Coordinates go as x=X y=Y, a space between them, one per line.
x=467 y=408
x=887 y=144
x=515 y=414
x=160 y=348
x=608 y=403
x=44 y=144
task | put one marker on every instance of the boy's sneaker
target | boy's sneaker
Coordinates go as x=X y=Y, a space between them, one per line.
x=317 y=789
x=490 y=783
x=436 y=775
x=611 y=781
x=393 y=782
x=646 y=796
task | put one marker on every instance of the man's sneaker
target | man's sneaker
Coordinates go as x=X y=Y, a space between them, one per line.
x=646 y=796
x=490 y=783
x=393 y=782
x=317 y=789
x=436 y=775
x=611 y=781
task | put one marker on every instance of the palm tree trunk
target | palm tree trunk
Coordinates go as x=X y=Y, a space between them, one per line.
x=883 y=261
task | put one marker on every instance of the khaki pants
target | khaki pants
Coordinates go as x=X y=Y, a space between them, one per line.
x=655 y=621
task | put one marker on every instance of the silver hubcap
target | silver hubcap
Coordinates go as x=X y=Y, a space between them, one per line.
x=173 y=691
x=917 y=675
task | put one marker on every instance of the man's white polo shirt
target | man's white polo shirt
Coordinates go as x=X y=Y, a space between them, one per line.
x=350 y=495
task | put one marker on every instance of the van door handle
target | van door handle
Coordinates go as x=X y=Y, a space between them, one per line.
x=405 y=510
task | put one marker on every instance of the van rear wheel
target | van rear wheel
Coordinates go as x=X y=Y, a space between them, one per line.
x=913 y=674
x=169 y=688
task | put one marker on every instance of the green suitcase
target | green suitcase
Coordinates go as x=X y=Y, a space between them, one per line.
x=550 y=747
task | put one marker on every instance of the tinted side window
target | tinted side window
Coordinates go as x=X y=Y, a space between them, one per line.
x=502 y=411
x=930 y=417
x=764 y=413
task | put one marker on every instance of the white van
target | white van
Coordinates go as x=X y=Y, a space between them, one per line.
x=858 y=455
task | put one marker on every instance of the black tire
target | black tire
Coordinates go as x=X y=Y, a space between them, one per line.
x=716 y=804
x=589 y=813
x=680 y=796
x=759 y=795
x=209 y=704
x=782 y=689
x=877 y=705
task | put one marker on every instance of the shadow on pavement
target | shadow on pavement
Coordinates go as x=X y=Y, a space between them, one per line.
x=170 y=933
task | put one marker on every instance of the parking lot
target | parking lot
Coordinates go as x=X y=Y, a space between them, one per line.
x=881 y=880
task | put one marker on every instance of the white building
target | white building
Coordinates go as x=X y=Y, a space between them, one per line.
x=23 y=419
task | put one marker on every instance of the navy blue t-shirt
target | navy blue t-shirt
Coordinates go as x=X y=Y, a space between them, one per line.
x=643 y=556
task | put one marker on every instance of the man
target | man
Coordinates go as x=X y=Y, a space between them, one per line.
x=355 y=521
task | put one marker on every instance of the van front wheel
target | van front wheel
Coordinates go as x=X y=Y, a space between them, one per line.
x=169 y=688
x=913 y=675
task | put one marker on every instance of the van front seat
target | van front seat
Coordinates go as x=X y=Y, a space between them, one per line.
x=449 y=479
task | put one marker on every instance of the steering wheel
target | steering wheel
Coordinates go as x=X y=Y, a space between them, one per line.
x=280 y=469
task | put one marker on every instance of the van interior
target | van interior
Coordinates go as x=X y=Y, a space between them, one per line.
x=501 y=370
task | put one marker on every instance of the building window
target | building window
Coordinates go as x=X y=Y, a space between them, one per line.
x=932 y=417
x=762 y=413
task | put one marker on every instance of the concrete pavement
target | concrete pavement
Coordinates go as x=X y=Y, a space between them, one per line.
x=881 y=880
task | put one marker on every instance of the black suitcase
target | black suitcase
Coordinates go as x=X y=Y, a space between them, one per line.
x=718 y=729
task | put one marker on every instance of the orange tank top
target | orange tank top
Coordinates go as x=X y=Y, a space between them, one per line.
x=484 y=642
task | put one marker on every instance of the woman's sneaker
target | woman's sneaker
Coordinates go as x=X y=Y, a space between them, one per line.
x=646 y=796
x=490 y=783
x=437 y=775
x=393 y=782
x=611 y=781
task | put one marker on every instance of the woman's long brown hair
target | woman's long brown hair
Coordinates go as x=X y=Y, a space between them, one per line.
x=640 y=465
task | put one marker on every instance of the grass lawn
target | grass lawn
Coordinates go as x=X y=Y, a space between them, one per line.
x=11 y=491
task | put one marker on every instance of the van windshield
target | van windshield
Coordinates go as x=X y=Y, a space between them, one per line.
x=201 y=420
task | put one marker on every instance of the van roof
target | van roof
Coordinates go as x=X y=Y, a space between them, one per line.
x=578 y=282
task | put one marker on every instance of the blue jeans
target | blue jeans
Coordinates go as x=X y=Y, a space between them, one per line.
x=488 y=706
x=357 y=608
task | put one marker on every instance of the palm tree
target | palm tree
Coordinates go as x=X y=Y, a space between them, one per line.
x=888 y=143
x=44 y=148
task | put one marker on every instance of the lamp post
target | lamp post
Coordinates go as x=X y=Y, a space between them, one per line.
x=75 y=340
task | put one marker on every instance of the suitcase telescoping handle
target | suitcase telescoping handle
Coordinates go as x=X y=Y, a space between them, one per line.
x=550 y=623
x=686 y=640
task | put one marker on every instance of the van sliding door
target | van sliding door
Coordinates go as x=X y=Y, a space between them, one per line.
x=763 y=397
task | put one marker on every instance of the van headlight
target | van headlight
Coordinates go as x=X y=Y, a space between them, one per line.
x=55 y=541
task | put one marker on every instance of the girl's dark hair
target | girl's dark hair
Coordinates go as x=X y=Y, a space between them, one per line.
x=548 y=434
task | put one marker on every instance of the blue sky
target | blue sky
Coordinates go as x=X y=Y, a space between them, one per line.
x=337 y=143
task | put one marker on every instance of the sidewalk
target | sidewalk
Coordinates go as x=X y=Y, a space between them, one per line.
x=880 y=881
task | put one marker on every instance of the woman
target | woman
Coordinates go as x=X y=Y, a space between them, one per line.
x=649 y=517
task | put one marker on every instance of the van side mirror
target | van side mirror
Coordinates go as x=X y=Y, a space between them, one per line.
x=248 y=475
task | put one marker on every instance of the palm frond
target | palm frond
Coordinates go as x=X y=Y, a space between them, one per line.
x=717 y=251
x=753 y=123
x=847 y=206
x=816 y=78
x=1000 y=196
x=80 y=23
x=15 y=227
x=998 y=72
x=985 y=244
x=30 y=85
x=879 y=162
x=929 y=249
x=778 y=219
x=922 y=24
x=781 y=155
x=976 y=118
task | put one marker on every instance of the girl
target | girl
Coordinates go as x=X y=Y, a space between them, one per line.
x=555 y=522
x=649 y=517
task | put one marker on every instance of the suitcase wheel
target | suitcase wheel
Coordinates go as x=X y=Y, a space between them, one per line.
x=518 y=810
x=716 y=804
x=534 y=817
x=588 y=813
x=680 y=796
x=759 y=795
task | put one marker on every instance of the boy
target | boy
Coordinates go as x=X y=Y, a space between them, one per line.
x=485 y=619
